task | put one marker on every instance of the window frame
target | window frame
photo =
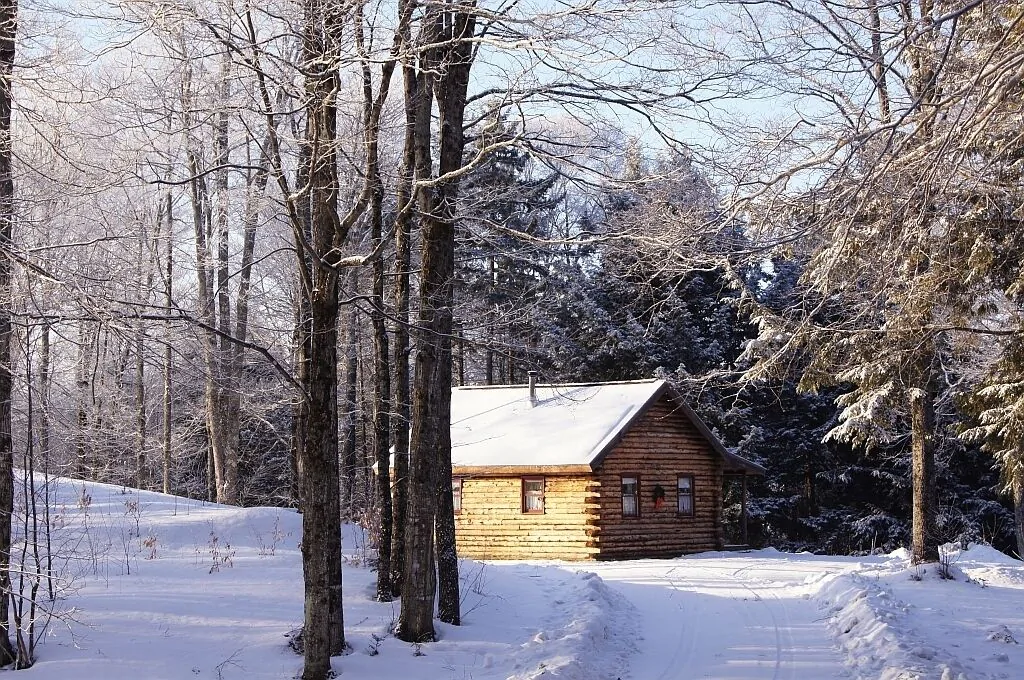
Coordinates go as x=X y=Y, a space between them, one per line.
x=457 y=484
x=533 y=494
x=691 y=495
x=637 y=495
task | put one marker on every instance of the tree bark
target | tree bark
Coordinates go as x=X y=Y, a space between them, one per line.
x=168 y=372
x=323 y=635
x=925 y=543
x=201 y=226
x=418 y=583
x=401 y=349
x=8 y=30
x=44 y=395
x=430 y=460
x=878 y=67
x=349 y=466
x=448 y=599
x=1018 y=512
x=141 y=478
x=381 y=358
x=381 y=432
x=323 y=632
x=82 y=397
x=224 y=397
x=303 y=326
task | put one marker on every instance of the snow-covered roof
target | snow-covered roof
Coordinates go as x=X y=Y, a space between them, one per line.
x=565 y=426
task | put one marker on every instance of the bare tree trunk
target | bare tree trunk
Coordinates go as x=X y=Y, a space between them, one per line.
x=430 y=459
x=44 y=447
x=300 y=342
x=351 y=409
x=878 y=68
x=168 y=214
x=144 y=279
x=323 y=632
x=44 y=395
x=211 y=475
x=382 y=440
x=8 y=30
x=141 y=478
x=201 y=221
x=222 y=407
x=461 y=339
x=323 y=635
x=1018 y=512
x=452 y=105
x=489 y=357
x=95 y=377
x=400 y=361
x=381 y=359
x=303 y=327
x=925 y=543
x=419 y=582
x=82 y=396
x=448 y=599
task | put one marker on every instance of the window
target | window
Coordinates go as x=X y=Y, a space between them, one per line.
x=457 y=494
x=684 y=494
x=630 y=497
x=533 y=495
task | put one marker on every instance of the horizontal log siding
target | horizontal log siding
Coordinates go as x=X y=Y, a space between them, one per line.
x=661 y=445
x=493 y=526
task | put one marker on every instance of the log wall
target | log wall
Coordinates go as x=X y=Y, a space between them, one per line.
x=659 y=447
x=492 y=524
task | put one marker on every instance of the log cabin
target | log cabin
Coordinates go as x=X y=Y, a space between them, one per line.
x=586 y=471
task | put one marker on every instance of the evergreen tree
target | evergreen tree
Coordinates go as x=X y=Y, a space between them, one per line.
x=504 y=255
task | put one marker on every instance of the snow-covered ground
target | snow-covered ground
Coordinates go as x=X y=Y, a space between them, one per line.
x=167 y=588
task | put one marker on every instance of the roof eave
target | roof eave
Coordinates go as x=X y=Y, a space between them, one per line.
x=518 y=470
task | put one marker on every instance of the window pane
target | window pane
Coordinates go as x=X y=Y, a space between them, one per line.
x=684 y=494
x=533 y=495
x=628 y=505
x=457 y=494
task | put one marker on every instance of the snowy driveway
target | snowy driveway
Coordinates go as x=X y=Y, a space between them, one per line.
x=729 y=616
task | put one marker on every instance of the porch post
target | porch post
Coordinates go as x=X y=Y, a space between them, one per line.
x=743 y=510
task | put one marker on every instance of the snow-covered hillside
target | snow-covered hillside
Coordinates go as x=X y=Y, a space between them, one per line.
x=168 y=588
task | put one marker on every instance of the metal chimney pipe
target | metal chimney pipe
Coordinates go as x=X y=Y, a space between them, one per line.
x=533 y=387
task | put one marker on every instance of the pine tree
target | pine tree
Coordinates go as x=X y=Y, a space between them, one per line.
x=503 y=260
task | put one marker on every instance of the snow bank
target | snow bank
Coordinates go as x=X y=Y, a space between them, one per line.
x=870 y=627
x=592 y=633
x=944 y=622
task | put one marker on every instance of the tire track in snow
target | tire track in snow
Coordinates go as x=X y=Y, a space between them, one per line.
x=787 y=628
x=687 y=639
x=727 y=622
